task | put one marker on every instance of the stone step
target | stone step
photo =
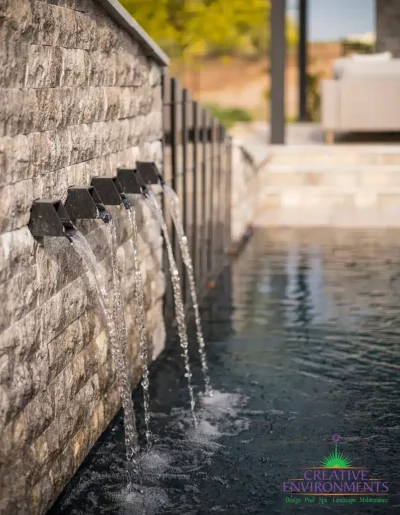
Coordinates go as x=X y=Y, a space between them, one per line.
x=335 y=155
x=346 y=176
x=329 y=206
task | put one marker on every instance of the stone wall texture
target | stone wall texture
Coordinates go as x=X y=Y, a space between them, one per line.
x=78 y=98
x=387 y=26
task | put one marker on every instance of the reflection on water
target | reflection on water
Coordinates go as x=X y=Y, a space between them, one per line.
x=303 y=342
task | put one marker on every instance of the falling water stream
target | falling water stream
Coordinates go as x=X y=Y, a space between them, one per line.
x=176 y=285
x=118 y=346
x=183 y=243
x=141 y=322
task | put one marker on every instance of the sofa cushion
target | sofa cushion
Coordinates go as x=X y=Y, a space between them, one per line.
x=377 y=69
x=382 y=56
x=342 y=63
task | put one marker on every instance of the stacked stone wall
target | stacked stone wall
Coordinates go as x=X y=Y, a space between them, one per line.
x=79 y=98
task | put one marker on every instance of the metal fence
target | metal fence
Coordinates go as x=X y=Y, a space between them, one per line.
x=197 y=164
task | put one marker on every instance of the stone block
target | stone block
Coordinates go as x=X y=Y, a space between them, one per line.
x=86 y=142
x=16 y=20
x=20 y=294
x=53 y=313
x=75 y=67
x=374 y=179
x=92 y=104
x=61 y=144
x=13 y=60
x=15 y=205
x=125 y=70
x=128 y=105
x=72 y=340
x=44 y=66
x=291 y=199
x=85 y=30
x=155 y=75
x=115 y=96
x=102 y=69
x=105 y=38
x=58 y=108
x=15 y=159
x=145 y=101
x=19 y=113
x=365 y=198
x=20 y=393
x=142 y=71
x=115 y=136
x=39 y=415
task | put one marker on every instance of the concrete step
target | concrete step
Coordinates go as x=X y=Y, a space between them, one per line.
x=319 y=175
x=335 y=155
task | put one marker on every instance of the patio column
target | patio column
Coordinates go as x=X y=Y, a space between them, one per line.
x=277 y=67
x=302 y=61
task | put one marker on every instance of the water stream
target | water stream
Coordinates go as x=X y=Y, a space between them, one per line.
x=176 y=285
x=141 y=322
x=183 y=243
x=116 y=328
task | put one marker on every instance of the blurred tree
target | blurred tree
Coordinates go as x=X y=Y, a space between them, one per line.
x=187 y=29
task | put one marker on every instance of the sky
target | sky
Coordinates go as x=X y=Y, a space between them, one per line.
x=332 y=20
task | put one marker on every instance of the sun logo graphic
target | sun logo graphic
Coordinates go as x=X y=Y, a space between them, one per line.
x=336 y=459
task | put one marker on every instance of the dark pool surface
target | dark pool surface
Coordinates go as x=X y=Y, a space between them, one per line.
x=303 y=337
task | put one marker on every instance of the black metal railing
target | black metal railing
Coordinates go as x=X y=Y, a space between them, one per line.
x=197 y=164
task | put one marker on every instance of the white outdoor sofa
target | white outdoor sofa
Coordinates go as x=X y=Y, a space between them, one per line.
x=363 y=96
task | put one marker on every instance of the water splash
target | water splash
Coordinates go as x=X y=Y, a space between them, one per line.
x=183 y=243
x=176 y=285
x=141 y=321
x=84 y=250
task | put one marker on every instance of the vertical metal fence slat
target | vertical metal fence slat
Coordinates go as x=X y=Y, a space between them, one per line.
x=195 y=142
x=219 y=189
x=184 y=180
x=211 y=193
x=184 y=157
x=227 y=232
x=203 y=244
x=166 y=119
x=174 y=145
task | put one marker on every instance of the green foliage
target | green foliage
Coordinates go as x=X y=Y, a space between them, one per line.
x=229 y=115
x=187 y=29
x=313 y=96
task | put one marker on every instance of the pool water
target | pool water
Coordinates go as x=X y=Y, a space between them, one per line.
x=303 y=340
